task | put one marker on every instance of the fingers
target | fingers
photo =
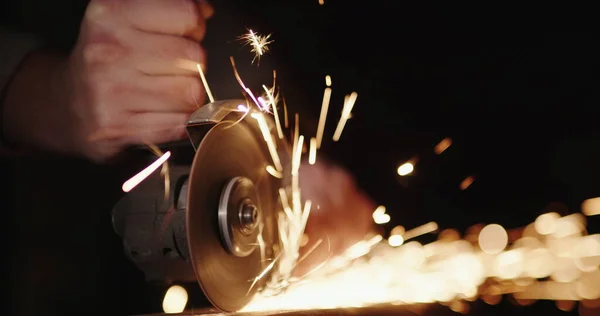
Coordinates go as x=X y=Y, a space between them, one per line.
x=163 y=54
x=184 y=93
x=155 y=103
x=175 y=17
x=157 y=128
x=144 y=128
x=120 y=91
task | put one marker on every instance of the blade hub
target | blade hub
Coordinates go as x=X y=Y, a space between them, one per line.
x=249 y=215
x=239 y=216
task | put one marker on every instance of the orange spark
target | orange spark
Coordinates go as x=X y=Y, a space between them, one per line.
x=138 y=178
x=442 y=145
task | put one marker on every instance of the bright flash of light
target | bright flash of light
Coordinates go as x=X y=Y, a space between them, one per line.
x=464 y=184
x=405 y=169
x=346 y=111
x=442 y=145
x=321 y=2
x=205 y=83
x=175 y=300
x=258 y=43
x=452 y=271
x=591 y=207
x=312 y=154
x=138 y=178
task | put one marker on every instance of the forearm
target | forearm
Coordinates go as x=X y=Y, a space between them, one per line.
x=33 y=112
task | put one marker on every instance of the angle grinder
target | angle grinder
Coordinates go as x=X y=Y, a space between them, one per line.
x=218 y=205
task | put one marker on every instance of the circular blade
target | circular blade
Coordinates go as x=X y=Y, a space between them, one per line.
x=226 y=152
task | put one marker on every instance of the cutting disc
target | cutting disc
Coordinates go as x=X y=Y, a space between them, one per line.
x=232 y=200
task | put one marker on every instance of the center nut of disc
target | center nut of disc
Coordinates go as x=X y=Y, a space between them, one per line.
x=239 y=216
x=248 y=216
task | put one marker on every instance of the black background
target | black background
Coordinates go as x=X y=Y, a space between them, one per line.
x=520 y=103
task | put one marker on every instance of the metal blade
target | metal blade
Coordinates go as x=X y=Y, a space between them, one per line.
x=229 y=169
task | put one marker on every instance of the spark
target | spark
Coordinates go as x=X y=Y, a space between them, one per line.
x=264 y=128
x=164 y=172
x=406 y=169
x=241 y=83
x=285 y=114
x=442 y=145
x=272 y=171
x=451 y=271
x=591 y=207
x=380 y=216
x=324 y=109
x=346 y=111
x=275 y=114
x=205 y=83
x=321 y=2
x=138 y=178
x=312 y=155
x=493 y=239
x=467 y=182
x=420 y=230
x=258 y=43
x=175 y=300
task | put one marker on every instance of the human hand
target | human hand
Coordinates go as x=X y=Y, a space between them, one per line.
x=133 y=72
x=341 y=213
x=130 y=79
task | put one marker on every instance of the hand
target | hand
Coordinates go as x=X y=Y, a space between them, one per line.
x=130 y=79
x=341 y=214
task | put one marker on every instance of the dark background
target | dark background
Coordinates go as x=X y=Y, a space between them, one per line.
x=520 y=104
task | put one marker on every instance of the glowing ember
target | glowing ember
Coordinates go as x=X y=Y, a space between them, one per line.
x=205 y=83
x=442 y=145
x=346 y=111
x=467 y=182
x=324 y=109
x=175 y=300
x=591 y=207
x=138 y=178
x=405 y=169
x=257 y=42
